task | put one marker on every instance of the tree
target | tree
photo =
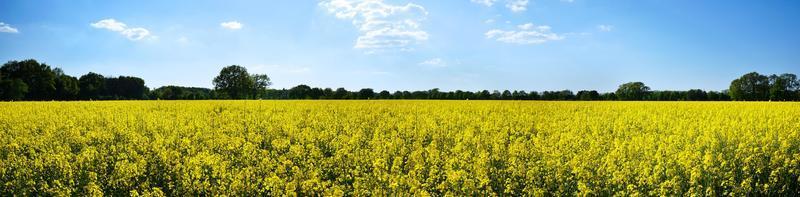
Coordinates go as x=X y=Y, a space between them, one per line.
x=327 y=93
x=300 y=92
x=182 y=93
x=366 y=93
x=588 y=95
x=125 y=87
x=696 y=95
x=750 y=87
x=260 y=84
x=384 y=95
x=632 y=91
x=782 y=87
x=67 y=87
x=39 y=78
x=340 y=93
x=92 y=86
x=12 y=89
x=234 y=82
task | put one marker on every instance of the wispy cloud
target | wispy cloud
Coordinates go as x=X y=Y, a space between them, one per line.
x=487 y=3
x=381 y=26
x=524 y=34
x=6 y=28
x=517 y=5
x=232 y=25
x=435 y=62
x=605 y=28
x=132 y=33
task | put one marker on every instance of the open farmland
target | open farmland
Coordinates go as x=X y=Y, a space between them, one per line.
x=244 y=148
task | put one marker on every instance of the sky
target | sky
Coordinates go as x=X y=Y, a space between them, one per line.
x=531 y=45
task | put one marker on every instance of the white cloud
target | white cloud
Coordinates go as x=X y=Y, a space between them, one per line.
x=232 y=25
x=435 y=62
x=489 y=21
x=487 y=3
x=134 y=33
x=517 y=5
x=6 y=28
x=605 y=28
x=568 y=1
x=524 y=34
x=381 y=26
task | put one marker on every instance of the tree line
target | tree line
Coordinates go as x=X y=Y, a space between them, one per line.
x=31 y=80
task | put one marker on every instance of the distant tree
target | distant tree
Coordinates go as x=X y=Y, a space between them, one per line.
x=67 y=87
x=366 y=93
x=92 y=86
x=588 y=95
x=696 y=95
x=750 y=87
x=632 y=91
x=125 y=87
x=315 y=93
x=260 y=84
x=39 y=78
x=783 y=87
x=609 y=96
x=434 y=93
x=181 y=93
x=534 y=95
x=384 y=95
x=507 y=95
x=235 y=82
x=12 y=89
x=300 y=92
x=341 y=93
x=327 y=93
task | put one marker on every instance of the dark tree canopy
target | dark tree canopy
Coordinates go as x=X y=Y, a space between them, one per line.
x=750 y=87
x=67 y=87
x=632 y=91
x=31 y=80
x=181 y=93
x=39 y=78
x=783 y=87
x=12 y=89
x=588 y=95
x=92 y=86
x=235 y=82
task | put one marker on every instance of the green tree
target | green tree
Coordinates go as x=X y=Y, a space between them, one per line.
x=696 y=95
x=92 y=86
x=235 y=82
x=260 y=84
x=632 y=91
x=12 y=89
x=341 y=93
x=588 y=95
x=300 y=92
x=39 y=78
x=67 y=87
x=366 y=93
x=782 y=87
x=750 y=87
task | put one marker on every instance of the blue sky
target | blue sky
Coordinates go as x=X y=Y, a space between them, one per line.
x=412 y=44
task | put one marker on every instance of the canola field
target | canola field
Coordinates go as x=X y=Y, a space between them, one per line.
x=379 y=148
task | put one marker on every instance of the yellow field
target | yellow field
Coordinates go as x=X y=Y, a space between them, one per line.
x=243 y=148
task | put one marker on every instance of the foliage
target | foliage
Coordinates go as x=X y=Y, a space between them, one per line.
x=632 y=91
x=234 y=82
x=399 y=148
